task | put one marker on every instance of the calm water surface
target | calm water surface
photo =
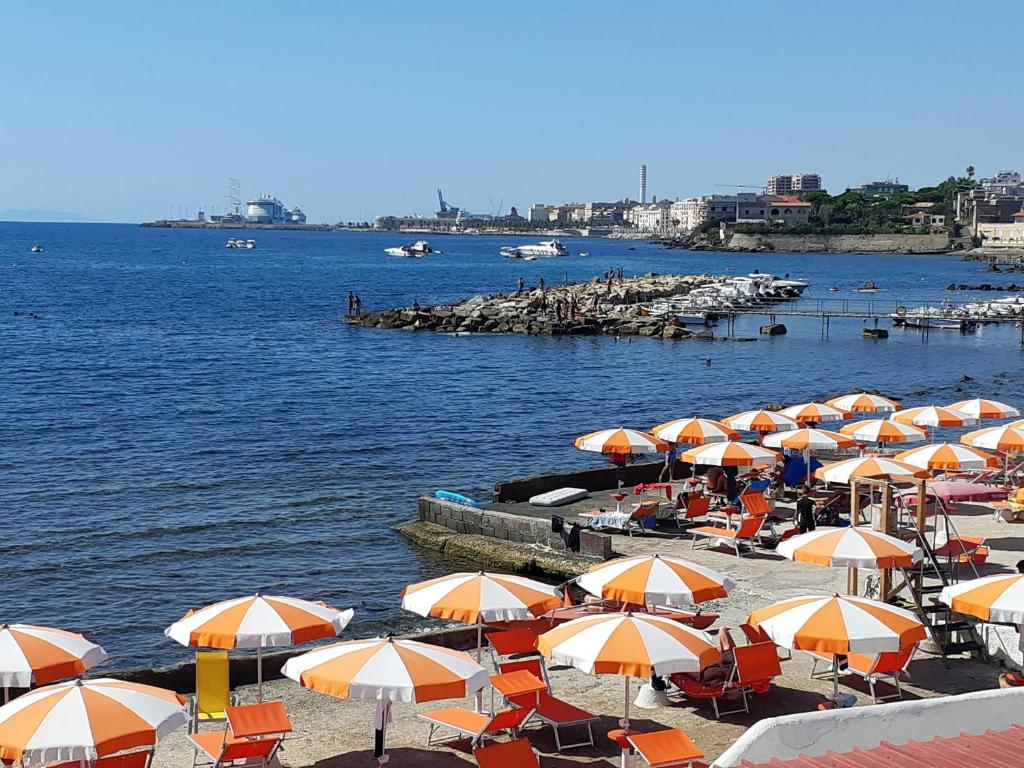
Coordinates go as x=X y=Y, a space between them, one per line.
x=184 y=423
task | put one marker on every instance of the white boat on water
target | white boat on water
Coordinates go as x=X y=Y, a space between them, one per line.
x=544 y=248
x=415 y=251
x=239 y=243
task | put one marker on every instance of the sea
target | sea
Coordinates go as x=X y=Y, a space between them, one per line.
x=183 y=423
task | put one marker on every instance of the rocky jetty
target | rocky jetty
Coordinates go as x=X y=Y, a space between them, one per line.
x=575 y=309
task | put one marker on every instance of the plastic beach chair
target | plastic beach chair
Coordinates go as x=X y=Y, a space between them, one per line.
x=758 y=635
x=213 y=689
x=476 y=726
x=749 y=530
x=830 y=660
x=754 y=667
x=662 y=749
x=253 y=735
x=697 y=506
x=871 y=667
x=129 y=760
x=550 y=710
x=511 y=754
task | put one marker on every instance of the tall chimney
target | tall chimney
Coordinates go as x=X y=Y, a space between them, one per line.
x=643 y=183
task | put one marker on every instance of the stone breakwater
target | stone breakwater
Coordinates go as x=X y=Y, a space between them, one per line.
x=576 y=309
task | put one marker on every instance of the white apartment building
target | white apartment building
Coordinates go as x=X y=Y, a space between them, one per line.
x=689 y=214
x=1003 y=235
x=796 y=183
x=539 y=212
x=653 y=217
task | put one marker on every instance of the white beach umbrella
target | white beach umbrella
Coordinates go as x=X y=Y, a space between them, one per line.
x=850 y=547
x=760 y=421
x=934 y=416
x=655 y=580
x=815 y=413
x=39 y=655
x=695 y=432
x=1005 y=438
x=883 y=431
x=258 y=621
x=865 y=403
x=731 y=455
x=998 y=598
x=83 y=720
x=980 y=408
x=621 y=440
x=878 y=467
x=939 y=456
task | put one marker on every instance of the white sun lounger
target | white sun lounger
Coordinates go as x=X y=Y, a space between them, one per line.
x=558 y=497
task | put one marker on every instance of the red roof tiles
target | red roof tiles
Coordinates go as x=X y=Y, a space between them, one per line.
x=993 y=749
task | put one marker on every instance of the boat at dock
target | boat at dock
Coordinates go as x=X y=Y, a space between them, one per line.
x=415 y=251
x=545 y=248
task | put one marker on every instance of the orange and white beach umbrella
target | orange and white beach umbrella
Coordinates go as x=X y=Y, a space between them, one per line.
x=481 y=597
x=877 y=467
x=258 y=621
x=850 y=547
x=731 y=455
x=815 y=413
x=934 y=416
x=807 y=439
x=39 y=655
x=980 y=408
x=622 y=440
x=655 y=580
x=760 y=421
x=84 y=720
x=838 y=624
x=695 y=432
x=629 y=644
x=387 y=670
x=1006 y=438
x=948 y=456
x=997 y=598
x=883 y=431
x=865 y=403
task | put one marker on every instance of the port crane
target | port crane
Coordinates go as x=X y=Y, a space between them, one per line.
x=445 y=207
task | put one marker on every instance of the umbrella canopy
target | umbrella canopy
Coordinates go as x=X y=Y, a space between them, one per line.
x=87 y=719
x=760 y=421
x=851 y=547
x=731 y=455
x=883 y=431
x=991 y=598
x=481 y=597
x=1006 y=438
x=695 y=432
x=953 y=490
x=948 y=456
x=258 y=621
x=387 y=669
x=865 y=403
x=815 y=413
x=621 y=440
x=838 y=624
x=877 y=467
x=985 y=409
x=810 y=440
x=41 y=655
x=632 y=644
x=655 y=580
x=934 y=416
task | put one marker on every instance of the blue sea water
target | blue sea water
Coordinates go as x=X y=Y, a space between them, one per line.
x=183 y=423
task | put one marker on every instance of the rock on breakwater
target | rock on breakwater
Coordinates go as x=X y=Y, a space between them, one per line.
x=598 y=307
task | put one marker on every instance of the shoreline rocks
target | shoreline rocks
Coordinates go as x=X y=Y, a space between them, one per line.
x=575 y=309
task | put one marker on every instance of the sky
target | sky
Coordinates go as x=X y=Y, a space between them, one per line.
x=130 y=111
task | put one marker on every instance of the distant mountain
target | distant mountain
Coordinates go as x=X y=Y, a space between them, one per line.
x=38 y=214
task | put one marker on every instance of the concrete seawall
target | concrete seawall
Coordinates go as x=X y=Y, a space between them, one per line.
x=840 y=243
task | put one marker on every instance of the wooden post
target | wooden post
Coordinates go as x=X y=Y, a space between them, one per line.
x=885 y=523
x=851 y=573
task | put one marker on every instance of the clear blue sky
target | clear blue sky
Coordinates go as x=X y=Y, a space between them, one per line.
x=120 y=110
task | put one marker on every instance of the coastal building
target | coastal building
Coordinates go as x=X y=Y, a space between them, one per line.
x=1003 y=184
x=1002 y=235
x=539 y=213
x=689 y=214
x=880 y=190
x=765 y=209
x=654 y=217
x=793 y=184
x=607 y=213
x=933 y=221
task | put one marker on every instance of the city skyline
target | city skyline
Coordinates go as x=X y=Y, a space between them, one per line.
x=133 y=114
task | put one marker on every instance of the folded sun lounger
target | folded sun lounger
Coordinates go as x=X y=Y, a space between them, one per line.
x=558 y=497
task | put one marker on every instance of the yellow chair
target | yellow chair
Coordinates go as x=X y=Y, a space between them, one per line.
x=213 y=689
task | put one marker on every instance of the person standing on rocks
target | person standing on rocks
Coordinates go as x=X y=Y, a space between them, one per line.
x=351 y=302
x=522 y=285
x=357 y=304
x=541 y=285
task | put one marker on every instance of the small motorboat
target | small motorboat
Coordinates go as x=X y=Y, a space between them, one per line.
x=250 y=244
x=37 y=248
x=415 y=251
x=869 y=287
x=584 y=253
x=833 y=289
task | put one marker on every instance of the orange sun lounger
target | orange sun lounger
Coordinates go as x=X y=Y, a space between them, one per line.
x=666 y=749
x=511 y=754
x=252 y=737
x=476 y=726
x=128 y=760
x=749 y=530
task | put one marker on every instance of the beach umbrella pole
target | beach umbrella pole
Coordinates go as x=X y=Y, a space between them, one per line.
x=382 y=716
x=479 y=648
x=259 y=673
x=624 y=722
x=835 y=681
